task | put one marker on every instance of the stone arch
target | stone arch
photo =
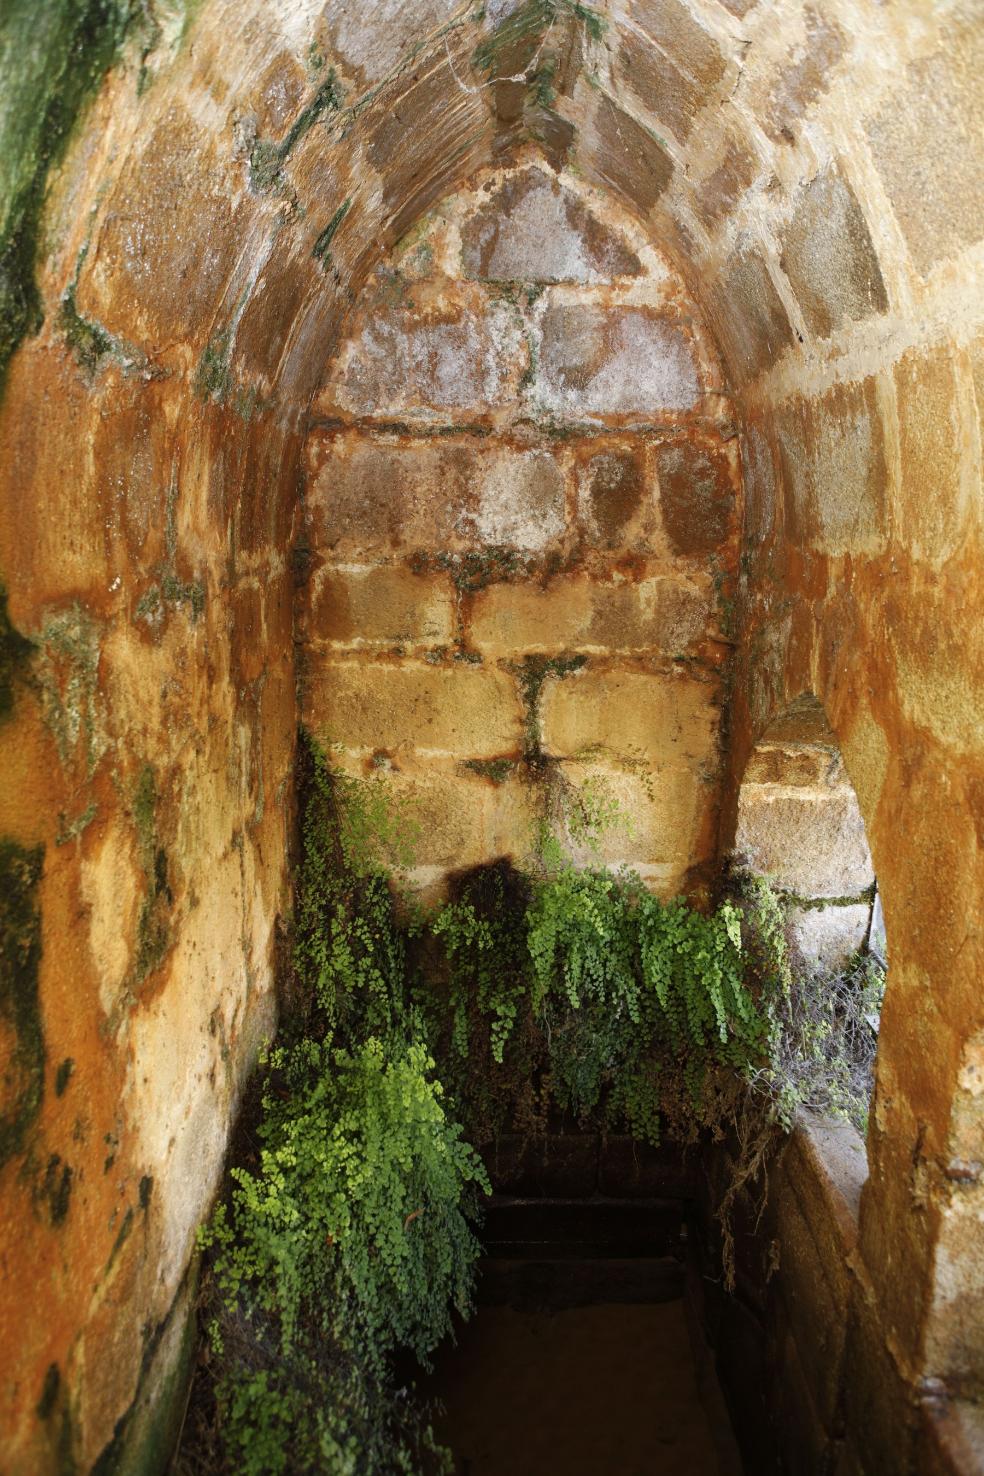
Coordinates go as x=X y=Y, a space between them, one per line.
x=800 y=824
x=236 y=179
x=522 y=505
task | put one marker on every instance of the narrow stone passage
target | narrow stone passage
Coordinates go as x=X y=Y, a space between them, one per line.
x=586 y=1354
x=491 y=682
x=580 y=1391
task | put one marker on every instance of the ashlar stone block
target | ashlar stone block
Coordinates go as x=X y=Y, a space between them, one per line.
x=657 y=815
x=749 y=315
x=627 y=158
x=611 y=361
x=379 y=605
x=697 y=494
x=823 y=939
x=584 y=614
x=368 y=496
x=926 y=143
x=533 y=230
x=828 y=256
x=832 y=453
x=667 y=719
x=811 y=842
x=454 y=358
x=457 y=709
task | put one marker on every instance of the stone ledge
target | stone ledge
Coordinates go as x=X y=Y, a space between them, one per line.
x=833 y=1154
x=951 y=1438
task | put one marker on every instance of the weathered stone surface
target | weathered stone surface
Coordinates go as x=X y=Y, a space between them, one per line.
x=804 y=721
x=805 y=74
x=456 y=819
x=369 y=43
x=466 y=358
x=430 y=106
x=827 y=1169
x=832 y=453
x=926 y=145
x=519 y=500
x=368 y=496
x=365 y=496
x=457 y=708
x=616 y=495
x=661 y=815
x=815 y=1301
x=933 y=505
x=631 y=714
x=175 y=274
x=655 y=80
x=532 y=230
x=793 y=766
x=760 y=484
x=828 y=256
x=749 y=316
x=950 y=1438
x=151 y=422
x=628 y=158
x=811 y=842
x=581 y=614
x=614 y=361
x=673 y=26
x=720 y=192
x=380 y=606
x=823 y=939
x=696 y=496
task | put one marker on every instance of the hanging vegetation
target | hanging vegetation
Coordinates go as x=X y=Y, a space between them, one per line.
x=346 y=1237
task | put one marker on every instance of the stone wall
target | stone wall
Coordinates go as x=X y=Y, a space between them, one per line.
x=783 y=1340
x=799 y=824
x=521 y=518
x=184 y=262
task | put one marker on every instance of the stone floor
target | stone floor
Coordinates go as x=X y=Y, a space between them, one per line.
x=604 y=1389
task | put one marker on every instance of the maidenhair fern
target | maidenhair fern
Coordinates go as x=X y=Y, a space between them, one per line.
x=345 y=1238
x=618 y=997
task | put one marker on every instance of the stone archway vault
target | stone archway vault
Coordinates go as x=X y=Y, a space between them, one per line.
x=177 y=272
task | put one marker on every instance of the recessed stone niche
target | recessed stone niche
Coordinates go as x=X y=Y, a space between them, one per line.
x=521 y=462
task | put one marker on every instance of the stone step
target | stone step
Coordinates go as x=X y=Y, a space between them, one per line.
x=582 y=1229
x=554 y=1284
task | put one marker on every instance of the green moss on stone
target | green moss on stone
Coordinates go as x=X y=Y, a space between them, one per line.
x=53 y=57
x=153 y=932
x=69 y=830
x=543 y=84
x=497 y=770
x=89 y=343
x=122 y=1236
x=527 y=24
x=20 y=1009
x=480 y=567
x=177 y=592
x=213 y=378
x=267 y=159
x=532 y=673
x=49 y=1392
x=68 y=671
x=145 y=1436
x=592 y=20
x=524 y=25
x=144 y=806
x=320 y=251
x=15 y=652
x=53 y=1191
